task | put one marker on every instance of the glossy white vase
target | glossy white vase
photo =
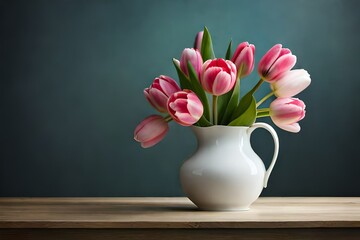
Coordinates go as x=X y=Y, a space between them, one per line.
x=225 y=173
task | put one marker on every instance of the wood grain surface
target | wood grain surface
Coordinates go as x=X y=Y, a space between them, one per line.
x=180 y=213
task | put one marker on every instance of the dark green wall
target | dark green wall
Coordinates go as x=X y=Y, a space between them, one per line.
x=72 y=75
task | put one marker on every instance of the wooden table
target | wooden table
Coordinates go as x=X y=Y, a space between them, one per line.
x=177 y=218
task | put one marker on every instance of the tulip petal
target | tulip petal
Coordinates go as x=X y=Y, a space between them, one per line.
x=282 y=64
x=169 y=86
x=149 y=131
x=220 y=63
x=291 y=83
x=147 y=96
x=222 y=84
x=284 y=51
x=185 y=110
x=287 y=114
x=238 y=51
x=194 y=57
x=159 y=99
x=252 y=46
x=198 y=40
x=268 y=59
x=294 y=127
x=195 y=108
x=246 y=58
x=205 y=65
x=185 y=119
x=155 y=140
x=208 y=78
x=232 y=66
x=150 y=128
x=240 y=59
x=233 y=71
x=179 y=105
x=197 y=64
x=144 y=122
x=180 y=94
x=159 y=91
x=297 y=102
x=177 y=62
x=287 y=110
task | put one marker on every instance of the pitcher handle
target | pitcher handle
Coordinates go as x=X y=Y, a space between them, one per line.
x=276 y=148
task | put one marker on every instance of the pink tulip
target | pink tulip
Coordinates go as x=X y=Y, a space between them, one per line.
x=194 y=57
x=218 y=76
x=291 y=83
x=286 y=112
x=151 y=131
x=185 y=107
x=198 y=40
x=244 y=56
x=160 y=91
x=275 y=62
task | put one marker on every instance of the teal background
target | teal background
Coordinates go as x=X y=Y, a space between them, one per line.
x=72 y=75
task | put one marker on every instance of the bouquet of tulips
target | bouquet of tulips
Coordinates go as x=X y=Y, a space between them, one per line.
x=201 y=75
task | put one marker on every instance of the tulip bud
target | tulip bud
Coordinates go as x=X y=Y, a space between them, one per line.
x=198 y=40
x=185 y=107
x=177 y=62
x=286 y=112
x=291 y=83
x=160 y=91
x=218 y=76
x=151 y=131
x=275 y=62
x=244 y=58
x=194 y=57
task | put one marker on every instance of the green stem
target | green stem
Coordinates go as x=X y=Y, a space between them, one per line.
x=168 y=118
x=264 y=99
x=257 y=86
x=263 y=114
x=263 y=110
x=260 y=116
x=215 y=109
x=239 y=72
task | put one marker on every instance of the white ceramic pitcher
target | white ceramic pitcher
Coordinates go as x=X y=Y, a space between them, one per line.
x=225 y=173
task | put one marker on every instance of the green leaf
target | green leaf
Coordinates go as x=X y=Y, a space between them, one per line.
x=228 y=51
x=243 y=105
x=248 y=116
x=207 y=51
x=203 y=122
x=222 y=104
x=232 y=103
x=184 y=81
x=198 y=89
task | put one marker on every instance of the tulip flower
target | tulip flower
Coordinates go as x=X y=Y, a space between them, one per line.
x=160 y=91
x=286 y=112
x=291 y=83
x=185 y=107
x=198 y=40
x=244 y=58
x=218 y=76
x=194 y=57
x=151 y=131
x=275 y=62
